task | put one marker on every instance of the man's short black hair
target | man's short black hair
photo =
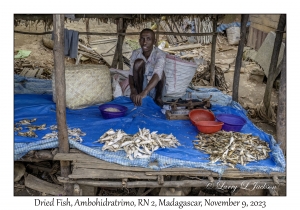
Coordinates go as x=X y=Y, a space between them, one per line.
x=148 y=29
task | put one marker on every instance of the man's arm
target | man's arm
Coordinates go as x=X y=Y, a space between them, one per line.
x=137 y=98
x=133 y=91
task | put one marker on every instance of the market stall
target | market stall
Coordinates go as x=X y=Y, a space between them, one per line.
x=94 y=166
x=90 y=161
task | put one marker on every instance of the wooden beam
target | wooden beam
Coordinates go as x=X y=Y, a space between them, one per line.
x=81 y=160
x=37 y=184
x=239 y=58
x=82 y=173
x=273 y=70
x=50 y=16
x=183 y=47
x=116 y=34
x=213 y=54
x=206 y=173
x=182 y=183
x=281 y=109
x=60 y=89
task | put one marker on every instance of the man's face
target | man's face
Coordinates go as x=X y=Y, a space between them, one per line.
x=147 y=40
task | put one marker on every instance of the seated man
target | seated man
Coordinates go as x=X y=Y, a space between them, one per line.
x=146 y=75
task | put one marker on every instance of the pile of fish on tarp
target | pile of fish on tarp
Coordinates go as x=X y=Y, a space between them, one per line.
x=73 y=133
x=232 y=147
x=140 y=145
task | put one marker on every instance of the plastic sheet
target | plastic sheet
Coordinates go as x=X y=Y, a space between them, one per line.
x=149 y=116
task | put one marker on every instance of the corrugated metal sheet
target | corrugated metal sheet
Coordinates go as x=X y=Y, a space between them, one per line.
x=255 y=38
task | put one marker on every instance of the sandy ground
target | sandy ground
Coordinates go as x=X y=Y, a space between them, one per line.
x=249 y=91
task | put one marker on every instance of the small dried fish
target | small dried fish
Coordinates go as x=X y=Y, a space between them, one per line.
x=26 y=121
x=37 y=127
x=232 y=147
x=27 y=134
x=140 y=145
x=18 y=128
x=53 y=127
x=73 y=134
x=52 y=135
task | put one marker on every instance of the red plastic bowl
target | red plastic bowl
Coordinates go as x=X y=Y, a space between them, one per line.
x=209 y=126
x=201 y=115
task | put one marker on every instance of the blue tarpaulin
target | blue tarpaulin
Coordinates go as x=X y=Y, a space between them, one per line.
x=90 y=121
x=223 y=27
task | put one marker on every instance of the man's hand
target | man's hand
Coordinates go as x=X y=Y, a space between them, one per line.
x=137 y=98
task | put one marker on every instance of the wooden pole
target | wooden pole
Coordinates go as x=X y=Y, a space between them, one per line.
x=120 y=44
x=239 y=58
x=213 y=54
x=273 y=70
x=157 y=31
x=281 y=110
x=87 y=25
x=118 y=56
x=60 y=89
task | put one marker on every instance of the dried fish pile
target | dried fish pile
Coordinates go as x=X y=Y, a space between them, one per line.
x=31 y=128
x=140 y=145
x=232 y=147
x=73 y=134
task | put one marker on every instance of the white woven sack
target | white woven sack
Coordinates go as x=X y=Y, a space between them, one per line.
x=86 y=85
x=233 y=35
x=179 y=73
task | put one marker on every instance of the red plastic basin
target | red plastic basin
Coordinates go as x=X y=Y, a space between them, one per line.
x=201 y=115
x=209 y=126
